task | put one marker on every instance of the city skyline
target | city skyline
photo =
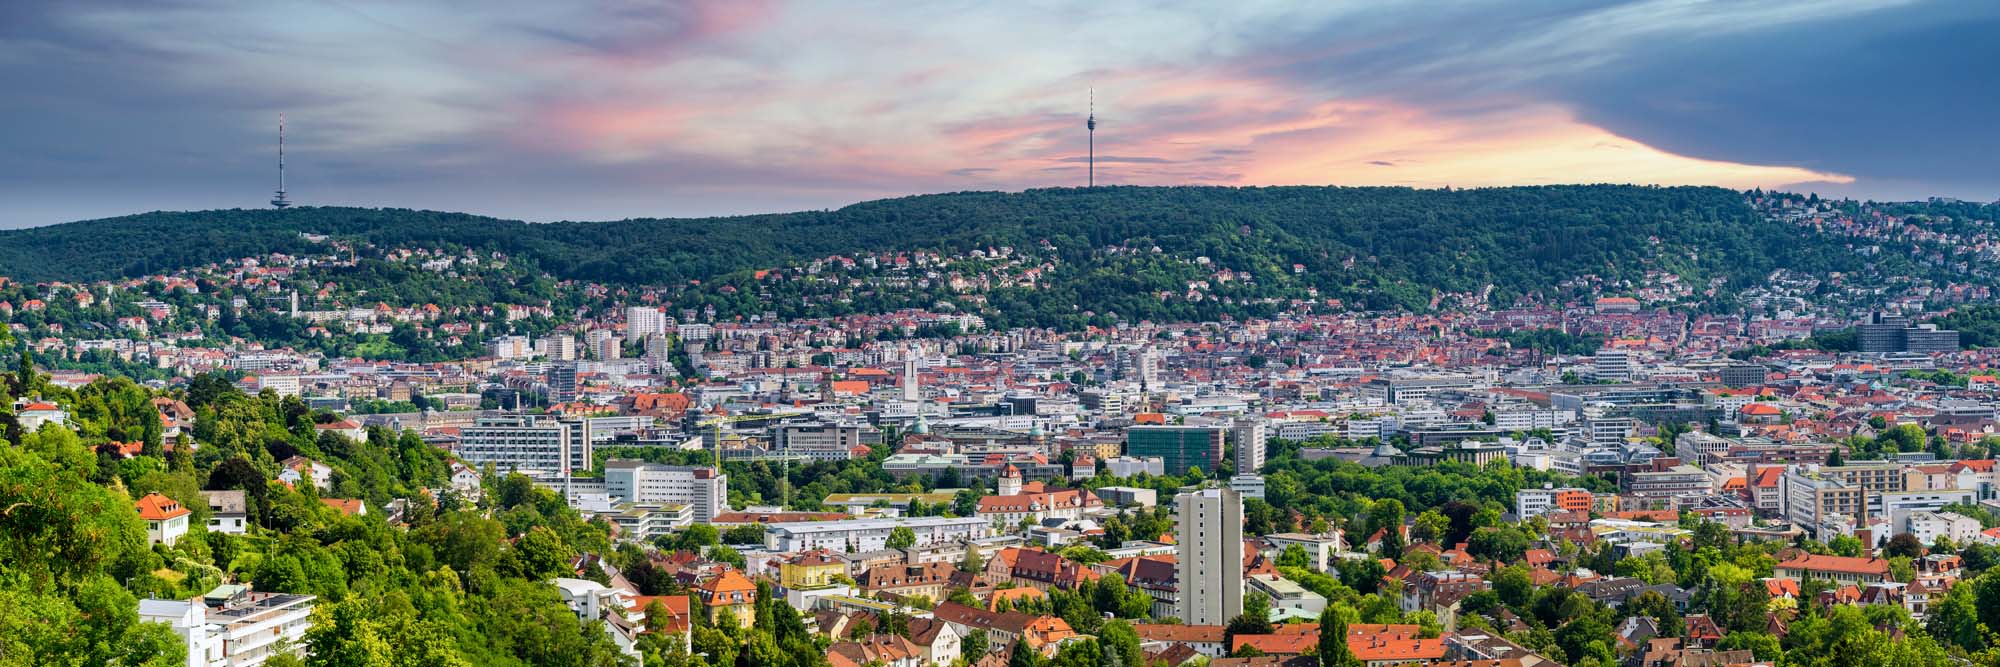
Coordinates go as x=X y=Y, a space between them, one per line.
x=705 y=108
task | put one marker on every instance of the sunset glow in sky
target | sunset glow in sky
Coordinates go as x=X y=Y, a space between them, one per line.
x=545 y=110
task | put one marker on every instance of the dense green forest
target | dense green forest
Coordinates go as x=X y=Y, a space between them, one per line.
x=1369 y=247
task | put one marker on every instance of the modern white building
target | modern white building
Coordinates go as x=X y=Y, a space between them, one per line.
x=643 y=321
x=1288 y=598
x=1248 y=486
x=532 y=444
x=1927 y=527
x=1209 y=550
x=1614 y=365
x=233 y=626
x=870 y=534
x=705 y=489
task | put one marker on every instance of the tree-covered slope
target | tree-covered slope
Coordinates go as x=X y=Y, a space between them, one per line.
x=1373 y=246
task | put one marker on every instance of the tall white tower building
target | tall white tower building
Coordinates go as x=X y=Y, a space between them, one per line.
x=1209 y=547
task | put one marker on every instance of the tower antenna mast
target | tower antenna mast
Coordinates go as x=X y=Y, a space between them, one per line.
x=280 y=201
x=1091 y=125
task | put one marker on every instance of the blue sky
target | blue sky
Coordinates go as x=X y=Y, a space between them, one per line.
x=548 y=111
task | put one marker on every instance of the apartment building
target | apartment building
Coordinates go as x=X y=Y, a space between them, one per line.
x=703 y=488
x=233 y=626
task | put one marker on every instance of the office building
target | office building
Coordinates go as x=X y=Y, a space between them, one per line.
x=704 y=489
x=819 y=441
x=1397 y=391
x=1250 y=434
x=1883 y=334
x=532 y=444
x=1209 y=555
x=1613 y=365
x=562 y=381
x=1098 y=400
x=1179 y=447
x=1743 y=375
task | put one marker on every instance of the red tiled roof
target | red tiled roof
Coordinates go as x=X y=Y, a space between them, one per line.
x=1842 y=564
x=156 y=507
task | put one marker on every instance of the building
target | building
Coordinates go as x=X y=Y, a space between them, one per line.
x=819 y=441
x=1036 y=507
x=1044 y=634
x=166 y=521
x=1122 y=496
x=729 y=593
x=1531 y=503
x=1178 y=447
x=705 y=489
x=1250 y=435
x=232 y=626
x=227 y=512
x=928 y=580
x=870 y=534
x=1883 y=334
x=1613 y=365
x=1681 y=480
x=1927 y=527
x=810 y=575
x=1813 y=502
x=643 y=321
x=1288 y=597
x=562 y=379
x=1209 y=555
x=1396 y=391
x=1322 y=549
x=1248 y=486
x=533 y=444
x=1743 y=375
x=1838 y=569
x=645 y=522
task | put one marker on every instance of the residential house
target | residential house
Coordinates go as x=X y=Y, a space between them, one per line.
x=166 y=520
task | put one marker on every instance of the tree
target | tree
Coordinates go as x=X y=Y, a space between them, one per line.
x=975 y=646
x=1506 y=545
x=1294 y=556
x=972 y=562
x=540 y=554
x=1904 y=545
x=1023 y=655
x=1255 y=619
x=902 y=538
x=1513 y=584
x=1430 y=526
x=1845 y=545
x=1121 y=645
x=1763 y=646
x=1333 y=650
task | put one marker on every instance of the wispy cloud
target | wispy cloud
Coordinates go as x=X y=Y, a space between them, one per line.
x=623 y=108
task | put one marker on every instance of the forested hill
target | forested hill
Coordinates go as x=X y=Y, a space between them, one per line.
x=1374 y=246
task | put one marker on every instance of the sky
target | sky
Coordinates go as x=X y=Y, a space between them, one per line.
x=603 y=110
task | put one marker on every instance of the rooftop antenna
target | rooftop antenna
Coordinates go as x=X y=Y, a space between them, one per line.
x=1093 y=126
x=280 y=201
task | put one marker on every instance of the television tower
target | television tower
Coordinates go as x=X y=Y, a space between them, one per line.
x=280 y=201
x=1091 y=124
